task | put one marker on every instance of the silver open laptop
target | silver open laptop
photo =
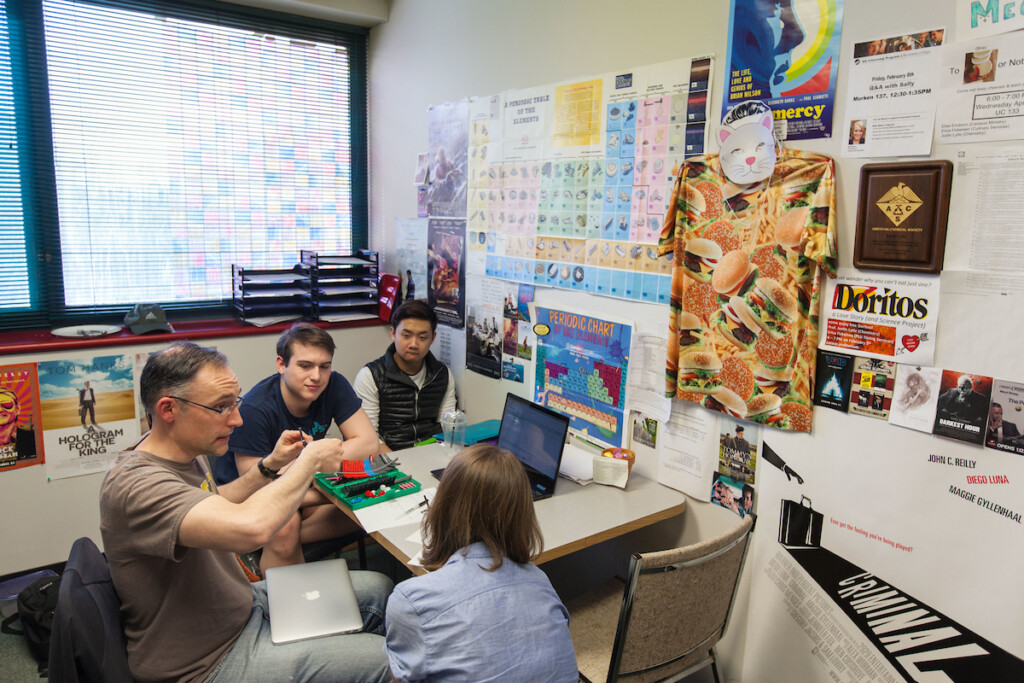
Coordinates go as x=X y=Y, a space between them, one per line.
x=312 y=600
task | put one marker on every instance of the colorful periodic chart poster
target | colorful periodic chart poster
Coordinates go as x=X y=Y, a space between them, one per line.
x=88 y=412
x=581 y=371
x=21 y=437
x=786 y=55
x=569 y=183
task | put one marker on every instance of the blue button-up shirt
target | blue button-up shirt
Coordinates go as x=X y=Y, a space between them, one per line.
x=462 y=623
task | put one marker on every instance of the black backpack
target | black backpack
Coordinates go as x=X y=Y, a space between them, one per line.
x=36 y=604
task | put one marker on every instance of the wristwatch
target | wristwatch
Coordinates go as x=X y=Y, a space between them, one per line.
x=266 y=471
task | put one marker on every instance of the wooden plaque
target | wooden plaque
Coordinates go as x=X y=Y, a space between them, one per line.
x=901 y=216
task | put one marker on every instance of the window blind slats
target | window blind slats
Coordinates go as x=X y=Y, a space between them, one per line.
x=184 y=138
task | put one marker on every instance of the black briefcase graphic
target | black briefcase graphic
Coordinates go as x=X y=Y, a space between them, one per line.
x=800 y=525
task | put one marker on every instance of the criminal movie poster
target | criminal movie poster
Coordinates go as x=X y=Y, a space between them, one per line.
x=21 y=437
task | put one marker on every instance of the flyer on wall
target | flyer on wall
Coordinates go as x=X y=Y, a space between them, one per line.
x=88 y=412
x=975 y=19
x=832 y=378
x=786 y=55
x=582 y=371
x=737 y=448
x=987 y=210
x=687 y=450
x=915 y=396
x=872 y=386
x=446 y=269
x=448 y=157
x=21 y=435
x=962 y=410
x=1005 y=417
x=982 y=89
x=411 y=254
x=890 y=317
x=891 y=92
x=484 y=327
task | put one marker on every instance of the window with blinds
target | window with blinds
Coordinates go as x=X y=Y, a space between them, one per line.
x=183 y=138
x=14 y=286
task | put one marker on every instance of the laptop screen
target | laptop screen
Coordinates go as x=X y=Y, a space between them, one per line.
x=534 y=434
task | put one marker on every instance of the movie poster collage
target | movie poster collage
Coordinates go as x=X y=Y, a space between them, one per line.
x=964 y=406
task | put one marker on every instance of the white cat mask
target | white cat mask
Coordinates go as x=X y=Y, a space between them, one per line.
x=747 y=151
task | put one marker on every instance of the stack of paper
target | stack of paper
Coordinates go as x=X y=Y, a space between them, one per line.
x=578 y=464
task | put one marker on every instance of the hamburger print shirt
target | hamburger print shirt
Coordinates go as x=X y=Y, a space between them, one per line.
x=745 y=282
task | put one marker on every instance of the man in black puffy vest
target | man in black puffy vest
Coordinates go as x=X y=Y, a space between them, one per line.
x=406 y=391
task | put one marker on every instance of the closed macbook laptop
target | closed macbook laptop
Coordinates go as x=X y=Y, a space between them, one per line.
x=312 y=600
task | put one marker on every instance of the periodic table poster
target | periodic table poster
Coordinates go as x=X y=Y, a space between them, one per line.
x=569 y=182
x=581 y=371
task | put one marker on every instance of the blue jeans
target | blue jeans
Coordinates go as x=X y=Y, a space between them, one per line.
x=348 y=657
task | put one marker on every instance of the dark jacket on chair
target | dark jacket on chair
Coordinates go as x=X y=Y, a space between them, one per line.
x=87 y=641
x=408 y=415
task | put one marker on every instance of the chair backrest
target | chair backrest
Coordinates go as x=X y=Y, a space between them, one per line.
x=87 y=643
x=676 y=605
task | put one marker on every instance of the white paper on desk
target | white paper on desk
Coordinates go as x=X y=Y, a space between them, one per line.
x=417 y=538
x=577 y=464
x=688 y=450
x=396 y=512
x=610 y=471
x=266 y=320
x=646 y=378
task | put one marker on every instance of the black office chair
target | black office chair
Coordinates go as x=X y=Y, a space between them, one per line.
x=87 y=642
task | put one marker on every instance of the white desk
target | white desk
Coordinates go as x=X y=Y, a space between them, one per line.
x=576 y=517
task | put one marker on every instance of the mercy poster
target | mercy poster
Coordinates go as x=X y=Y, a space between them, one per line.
x=786 y=54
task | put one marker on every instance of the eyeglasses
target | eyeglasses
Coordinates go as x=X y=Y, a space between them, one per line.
x=222 y=411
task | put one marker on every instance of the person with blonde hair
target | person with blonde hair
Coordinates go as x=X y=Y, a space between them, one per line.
x=485 y=612
x=858 y=132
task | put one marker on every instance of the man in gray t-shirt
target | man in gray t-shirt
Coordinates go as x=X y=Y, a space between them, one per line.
x=171 y=537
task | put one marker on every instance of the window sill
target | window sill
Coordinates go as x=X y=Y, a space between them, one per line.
x=33 y=341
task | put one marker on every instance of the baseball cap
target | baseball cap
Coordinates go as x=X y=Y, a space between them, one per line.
x=145 y=318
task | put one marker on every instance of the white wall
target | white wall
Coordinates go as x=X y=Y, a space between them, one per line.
x=43 y=518
x=432 y=52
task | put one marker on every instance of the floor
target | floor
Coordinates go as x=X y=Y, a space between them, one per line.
x=18 y=666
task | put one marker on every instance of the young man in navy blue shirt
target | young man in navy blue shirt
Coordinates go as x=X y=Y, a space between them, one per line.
x=307 y=395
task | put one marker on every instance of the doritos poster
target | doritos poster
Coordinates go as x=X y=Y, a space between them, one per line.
x=786 y=54
x=21 y=437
